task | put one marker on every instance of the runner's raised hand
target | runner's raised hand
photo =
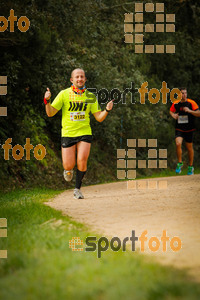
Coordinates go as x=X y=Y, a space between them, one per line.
x=47 y=95
x=109 y=106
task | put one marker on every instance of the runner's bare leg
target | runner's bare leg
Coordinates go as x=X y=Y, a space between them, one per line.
x=69 y=157
x=189 y=147
x=179 y=141
x=83 y=151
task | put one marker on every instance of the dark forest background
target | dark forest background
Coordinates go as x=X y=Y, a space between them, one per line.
x=64 y=35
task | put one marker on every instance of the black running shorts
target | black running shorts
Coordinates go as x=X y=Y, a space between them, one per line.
x=187 y=136
x=67 y=142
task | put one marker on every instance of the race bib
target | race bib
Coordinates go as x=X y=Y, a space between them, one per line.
x=77 y=116
x=182 y=119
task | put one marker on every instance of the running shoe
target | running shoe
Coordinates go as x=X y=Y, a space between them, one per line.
x=178 y=168
x=78 y=194
x=190 y=170
x=68 y=175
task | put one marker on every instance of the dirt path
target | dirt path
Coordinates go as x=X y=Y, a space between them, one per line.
x=113 y=210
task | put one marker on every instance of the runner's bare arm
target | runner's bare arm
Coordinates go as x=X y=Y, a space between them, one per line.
x=101 y=115
x=174 y=115
x=50 y=110
x=195 y=113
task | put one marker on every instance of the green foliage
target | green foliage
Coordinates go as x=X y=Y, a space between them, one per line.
x=90 y=34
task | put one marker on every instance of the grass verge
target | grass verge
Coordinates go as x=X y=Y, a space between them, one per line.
x=40 y=264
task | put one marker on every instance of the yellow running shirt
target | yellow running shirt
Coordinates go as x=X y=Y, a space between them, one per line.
x=75 y=112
